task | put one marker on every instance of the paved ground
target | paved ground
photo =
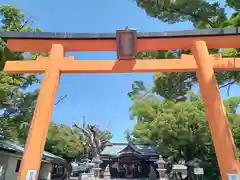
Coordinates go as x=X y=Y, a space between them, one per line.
x=105 y=178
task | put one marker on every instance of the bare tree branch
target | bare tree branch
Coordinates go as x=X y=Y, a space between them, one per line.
x=84 y=131
x=228 y=89
x=61 y=98
x=95 y=143
x=228 y=85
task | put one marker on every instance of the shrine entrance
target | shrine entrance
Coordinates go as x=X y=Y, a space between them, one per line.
x=126 y=44
x=131 y=167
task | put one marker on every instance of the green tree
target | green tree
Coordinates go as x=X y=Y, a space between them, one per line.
x=64 y=142
x=180 y=131
x=16 y=103
x=197 y=11
x=234 y=4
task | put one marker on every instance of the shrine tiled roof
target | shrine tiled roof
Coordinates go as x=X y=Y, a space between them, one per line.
x=146 y=149
x=115 y=149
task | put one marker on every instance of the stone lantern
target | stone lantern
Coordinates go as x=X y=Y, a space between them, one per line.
x=180 y=168
x=107 y=172
x=96 y=169
x=161 y=168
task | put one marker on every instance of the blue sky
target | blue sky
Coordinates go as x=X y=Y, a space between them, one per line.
x=101 y=98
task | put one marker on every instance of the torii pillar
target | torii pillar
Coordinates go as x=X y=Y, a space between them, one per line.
x=215 y=112
x=43 y=111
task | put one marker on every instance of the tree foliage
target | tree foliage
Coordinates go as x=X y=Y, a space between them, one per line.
x=173 y=11
x=63 y=141
x=179 y=129
x=234 y=4
x=16 y=103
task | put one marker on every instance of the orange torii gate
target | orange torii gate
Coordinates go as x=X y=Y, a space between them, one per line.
x=200 y=62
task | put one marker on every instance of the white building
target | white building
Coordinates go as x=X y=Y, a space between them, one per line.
x=10 y=160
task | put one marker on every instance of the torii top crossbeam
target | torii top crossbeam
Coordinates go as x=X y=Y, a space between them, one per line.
x=42 y=41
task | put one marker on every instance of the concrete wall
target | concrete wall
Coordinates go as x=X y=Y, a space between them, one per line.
x=11 y=170
x=3 y=166
x=8 y=163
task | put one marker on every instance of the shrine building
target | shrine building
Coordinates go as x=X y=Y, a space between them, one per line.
x=129 y=160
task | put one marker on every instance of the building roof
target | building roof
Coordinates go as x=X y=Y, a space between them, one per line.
x=13 y=147
x=113 y=150
x=116 y=149
x=67 y=35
